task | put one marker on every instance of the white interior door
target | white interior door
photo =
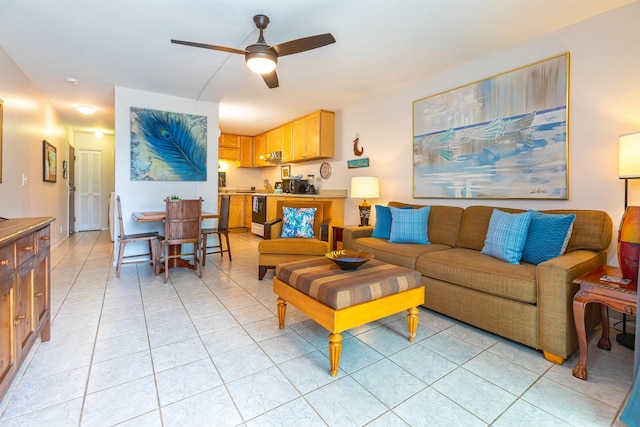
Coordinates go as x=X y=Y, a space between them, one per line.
x=89 y=190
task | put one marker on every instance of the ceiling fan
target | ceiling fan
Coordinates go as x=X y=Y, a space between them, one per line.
x=262 y=58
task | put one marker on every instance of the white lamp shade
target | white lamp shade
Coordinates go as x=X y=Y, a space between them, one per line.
x=365 y=187
x=629 y=154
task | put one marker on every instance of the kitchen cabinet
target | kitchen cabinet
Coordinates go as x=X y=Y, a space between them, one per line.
x=274 y=140
x=287 y=148
x=313 y=136
x=229 y=147
x=239 y=210
x=259 y=147
x=24 y=291
x=247 y=211
x=246 y=152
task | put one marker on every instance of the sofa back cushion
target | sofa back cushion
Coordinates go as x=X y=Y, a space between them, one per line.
x=444 y=222
x=591 y=229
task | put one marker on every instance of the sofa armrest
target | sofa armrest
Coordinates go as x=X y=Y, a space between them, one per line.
x=324 y=230
x=273 y=229
x=556 y=327
x=349 y=234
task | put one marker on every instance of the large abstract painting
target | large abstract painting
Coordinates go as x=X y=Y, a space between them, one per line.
x=168 y=146
x=500 y=138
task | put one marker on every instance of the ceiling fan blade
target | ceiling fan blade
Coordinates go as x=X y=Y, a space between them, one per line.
x=209 y=46
x=271 y=79
x=303 y=44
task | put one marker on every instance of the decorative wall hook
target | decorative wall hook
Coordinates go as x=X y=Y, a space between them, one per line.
x=357 y=151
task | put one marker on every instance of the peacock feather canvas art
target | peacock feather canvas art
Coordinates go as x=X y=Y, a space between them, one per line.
x=168 y=146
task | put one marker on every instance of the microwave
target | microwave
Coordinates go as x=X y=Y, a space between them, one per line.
x=298 y=186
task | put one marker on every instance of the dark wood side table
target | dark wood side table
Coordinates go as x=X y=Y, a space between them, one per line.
x=338 y=230
x=620 y=297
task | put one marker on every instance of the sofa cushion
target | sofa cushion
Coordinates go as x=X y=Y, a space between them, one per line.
x=443 y=224
x=293 y=246
x=507 y=235
x=382 y=228
x=298 y=222
x=409 y=225
x=472 y=269
x=403 y=254
x=474 y=226
x=548 y=236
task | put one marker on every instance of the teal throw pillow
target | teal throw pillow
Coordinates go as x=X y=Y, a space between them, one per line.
x=409 y=225
x=382 y=228
x=548 y=236
x=507 y=235
x=297 y=222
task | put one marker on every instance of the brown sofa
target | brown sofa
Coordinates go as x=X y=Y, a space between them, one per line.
x=530 y=304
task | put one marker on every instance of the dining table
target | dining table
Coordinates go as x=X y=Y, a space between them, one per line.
x=154 y=216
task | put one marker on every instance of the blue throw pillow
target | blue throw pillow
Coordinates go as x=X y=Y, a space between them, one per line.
x=507 y=235
x=548 y=236
x=409 y=225
x=382 y=228
x=297 y=222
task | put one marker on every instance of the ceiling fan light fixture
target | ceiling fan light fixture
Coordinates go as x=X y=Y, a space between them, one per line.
x=260 y=59
x=85 y=109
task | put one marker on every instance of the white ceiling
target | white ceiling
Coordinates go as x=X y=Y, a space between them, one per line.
x=381 y=45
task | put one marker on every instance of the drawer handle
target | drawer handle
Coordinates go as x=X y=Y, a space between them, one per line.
x=5 y=262
x=45 y=238
x=28 y=248
x=39 y=294
x=19 y=319
x=630 y=310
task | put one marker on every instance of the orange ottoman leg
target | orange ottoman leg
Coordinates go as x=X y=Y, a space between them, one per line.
x=412 y=323
x=335 y=347
x=282 y=311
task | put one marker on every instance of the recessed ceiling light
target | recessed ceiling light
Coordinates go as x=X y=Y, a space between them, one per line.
x=85 y=109
x=71 y=80
x=99 y=134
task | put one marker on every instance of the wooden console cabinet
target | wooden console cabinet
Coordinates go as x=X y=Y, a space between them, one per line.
x=24 y=291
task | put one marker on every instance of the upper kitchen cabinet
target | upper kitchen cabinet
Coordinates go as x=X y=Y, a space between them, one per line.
x=229 y=147
x=287 y=147
x=274 y=140
x=313 y=136
x=246 y=152
x=259 y=148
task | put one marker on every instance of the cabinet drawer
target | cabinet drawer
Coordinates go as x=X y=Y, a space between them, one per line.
x=25 y=249
x=7 y=259
x=43 y=239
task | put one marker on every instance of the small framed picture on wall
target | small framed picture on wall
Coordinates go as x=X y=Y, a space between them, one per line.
x=285 y=172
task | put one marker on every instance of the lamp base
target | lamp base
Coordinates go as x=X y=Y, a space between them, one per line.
x=627 y=340
x=365 y=213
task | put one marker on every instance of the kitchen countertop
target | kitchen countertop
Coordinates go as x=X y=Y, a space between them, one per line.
x=323 y=193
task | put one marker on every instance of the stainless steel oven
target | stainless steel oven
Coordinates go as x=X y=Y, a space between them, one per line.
x=258 y=214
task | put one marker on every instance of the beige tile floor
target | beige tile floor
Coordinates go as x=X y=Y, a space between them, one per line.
x=135 y=351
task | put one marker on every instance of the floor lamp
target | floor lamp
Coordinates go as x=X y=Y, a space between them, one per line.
x=629 y=231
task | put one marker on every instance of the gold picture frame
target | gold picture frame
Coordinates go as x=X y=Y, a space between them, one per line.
x=49 y=162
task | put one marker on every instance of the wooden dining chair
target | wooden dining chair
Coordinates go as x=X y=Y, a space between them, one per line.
x=124 y=238
x=182 y=225
x=221 y=230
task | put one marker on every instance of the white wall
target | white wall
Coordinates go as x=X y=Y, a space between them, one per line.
x=604 y=103
x=150 y=195
x=106 y=146
x=28 y=120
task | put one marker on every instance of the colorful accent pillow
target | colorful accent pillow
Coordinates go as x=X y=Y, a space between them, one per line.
x=507 y=235
x=297 y=222
x=382 y=228
x=409 y=225
x=548 y=236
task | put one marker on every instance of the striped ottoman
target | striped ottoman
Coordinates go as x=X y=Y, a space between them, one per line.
x=340 y=300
